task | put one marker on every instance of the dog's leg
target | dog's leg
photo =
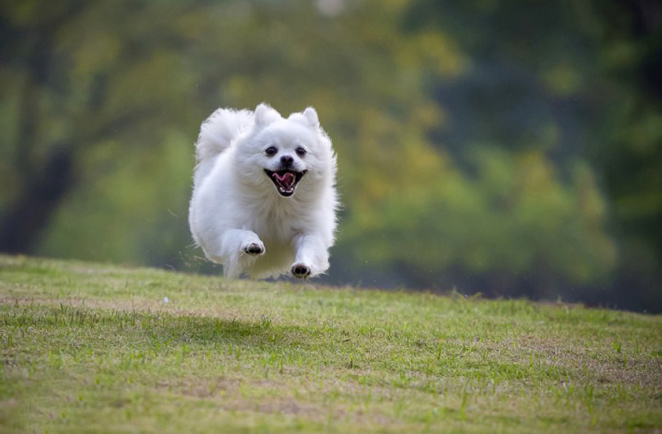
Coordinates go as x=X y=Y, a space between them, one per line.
x=241 y=241
x=239 y=248
x=311 y=256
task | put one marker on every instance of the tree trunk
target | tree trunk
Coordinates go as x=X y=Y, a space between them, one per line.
x=24 y=221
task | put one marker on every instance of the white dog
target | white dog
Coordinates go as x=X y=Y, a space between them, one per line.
x=264 y=199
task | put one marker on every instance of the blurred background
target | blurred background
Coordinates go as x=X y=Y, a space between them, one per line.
x=511 y=148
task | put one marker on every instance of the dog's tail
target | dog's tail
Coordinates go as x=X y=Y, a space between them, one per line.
x=216 y=134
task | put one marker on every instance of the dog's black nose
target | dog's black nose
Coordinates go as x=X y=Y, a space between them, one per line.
x=286 y=160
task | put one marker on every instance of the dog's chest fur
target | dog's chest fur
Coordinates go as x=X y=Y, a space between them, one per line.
x=277 y=221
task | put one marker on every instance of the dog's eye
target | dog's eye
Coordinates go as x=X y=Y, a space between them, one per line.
x=271 y=151
x=301 y=152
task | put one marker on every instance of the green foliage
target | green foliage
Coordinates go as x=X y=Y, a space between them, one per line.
x=486 y=201
x=579 y=81
x=514 y=217
x=143 y=200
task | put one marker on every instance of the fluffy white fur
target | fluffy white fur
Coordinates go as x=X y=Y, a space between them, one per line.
x=240 y=217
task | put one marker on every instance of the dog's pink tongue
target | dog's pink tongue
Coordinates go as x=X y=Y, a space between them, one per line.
x=286 y=180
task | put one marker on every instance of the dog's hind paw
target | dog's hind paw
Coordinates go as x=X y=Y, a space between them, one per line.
x=254 y=249
x=301 y=271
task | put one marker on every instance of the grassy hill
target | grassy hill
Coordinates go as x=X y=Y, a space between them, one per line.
x=99 y=348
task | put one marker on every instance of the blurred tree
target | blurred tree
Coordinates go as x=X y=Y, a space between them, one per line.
x=75 y=80
x=577 y=81
x=27 y=49
x=630 y=158
x=462 y=130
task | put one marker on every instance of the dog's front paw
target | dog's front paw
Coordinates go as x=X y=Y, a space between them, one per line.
x=254 y=249
x=301 y=271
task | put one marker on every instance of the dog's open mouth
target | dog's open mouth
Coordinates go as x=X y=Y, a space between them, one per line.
x=285 y=180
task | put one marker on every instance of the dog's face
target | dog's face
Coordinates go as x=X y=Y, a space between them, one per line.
x=287 y=152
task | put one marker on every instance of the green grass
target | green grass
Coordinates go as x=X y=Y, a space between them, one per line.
x=95 y=348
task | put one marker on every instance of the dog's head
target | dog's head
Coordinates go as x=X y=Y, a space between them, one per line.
x=287 y=151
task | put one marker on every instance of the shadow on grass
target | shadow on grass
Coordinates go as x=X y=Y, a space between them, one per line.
x=163 y=327
x=197 y=329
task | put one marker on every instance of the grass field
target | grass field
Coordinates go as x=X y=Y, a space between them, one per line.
x=97 y=348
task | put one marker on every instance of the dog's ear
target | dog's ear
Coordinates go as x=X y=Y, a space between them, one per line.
x=264 y=115
x=311 y=116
